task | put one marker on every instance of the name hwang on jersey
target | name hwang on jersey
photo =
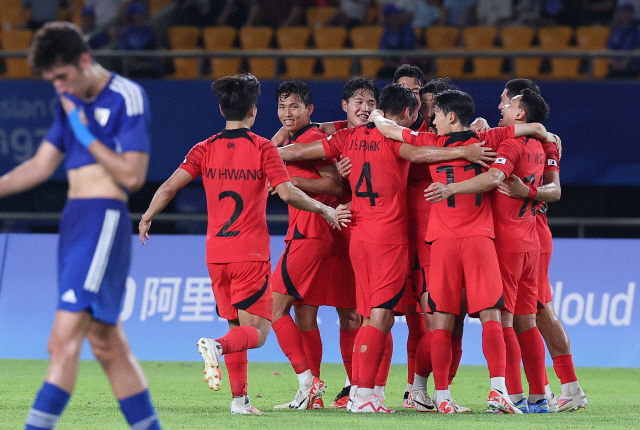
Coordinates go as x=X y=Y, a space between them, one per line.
x=235 y=174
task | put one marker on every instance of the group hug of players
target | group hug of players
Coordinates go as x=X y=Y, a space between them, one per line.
x=432 y=218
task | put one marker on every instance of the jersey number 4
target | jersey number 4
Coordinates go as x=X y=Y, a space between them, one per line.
x=224 y=232
x=366 y=178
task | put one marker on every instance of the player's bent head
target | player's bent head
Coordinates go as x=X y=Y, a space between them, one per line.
x=359 y=85
x=515 y=87
x=409 y=71
x=438 y=85
x=236 y=94
x=395 y=98
x=56 y=44
x=534 y=106
x=458 y=102
x=294 y=88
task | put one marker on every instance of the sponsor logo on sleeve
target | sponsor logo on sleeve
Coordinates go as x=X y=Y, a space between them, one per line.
x=500 y=160
x=551 y=162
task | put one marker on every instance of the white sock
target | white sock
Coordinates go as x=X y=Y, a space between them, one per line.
x=535 y=398
x=302 y=378
x=347 y=382
x=241 y=400
x=515 y=398
x=378 y=390
x=497 y=383
x=547 y=391
x=442 y=395
x=352 y=391
x=365 y=392
x=570 y=388
x=408 y=388
x=420 y=382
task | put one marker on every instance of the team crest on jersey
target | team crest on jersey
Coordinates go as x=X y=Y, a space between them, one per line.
x=501 y=160
x=551 y=162
x=415 y=133
x=102 y=115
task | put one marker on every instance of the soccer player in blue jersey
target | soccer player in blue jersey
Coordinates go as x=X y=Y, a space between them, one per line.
x=101 y=129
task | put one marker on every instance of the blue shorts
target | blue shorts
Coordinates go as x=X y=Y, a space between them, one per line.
x=94 y=253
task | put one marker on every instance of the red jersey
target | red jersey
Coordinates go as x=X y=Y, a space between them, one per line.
x=235 y=166
x=463 y=215
x=515 y=219
x=303 y=223
x=544 y=234
x=378 y=183
x=339 y=125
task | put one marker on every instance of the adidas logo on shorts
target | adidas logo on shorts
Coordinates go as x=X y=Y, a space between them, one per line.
x=69 y=296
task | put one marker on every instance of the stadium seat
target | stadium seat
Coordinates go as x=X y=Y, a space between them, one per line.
x=419 y=32
x=16 y=40
x=317 y=16
x=10 y=14
x=221 y=38
x=156 y=5
x=483 y=38
x=296 y=38
x=184 y=38
x=557 y=38
x=258 y=38
x=440 y=38
x=333 y=38
x=594 y=37
x=520 y=38
x=372 y=15
x=368 y=37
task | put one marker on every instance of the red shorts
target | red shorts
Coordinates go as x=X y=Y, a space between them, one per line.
x=298 y=272
x=243 y=285
x=381 y=275
x=471 y=263
x=340 y=290
x=520 y=281
x=420 y=282
x=544 y=286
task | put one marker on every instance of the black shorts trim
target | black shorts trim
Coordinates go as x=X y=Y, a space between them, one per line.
x=288 y=283
x=390 y=304
x=252 y=299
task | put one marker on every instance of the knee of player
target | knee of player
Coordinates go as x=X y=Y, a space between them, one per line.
x=262 y=335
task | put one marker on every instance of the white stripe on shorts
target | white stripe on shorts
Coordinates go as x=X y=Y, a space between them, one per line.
x=103 y=249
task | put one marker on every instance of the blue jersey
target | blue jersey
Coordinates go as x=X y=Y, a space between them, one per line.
x=119 y=117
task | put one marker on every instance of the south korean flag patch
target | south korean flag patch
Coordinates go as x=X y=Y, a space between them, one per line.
x=500 y=160
x=551 y=162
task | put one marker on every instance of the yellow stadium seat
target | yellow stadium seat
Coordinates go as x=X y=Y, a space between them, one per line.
x=520 y=38
x=296 y=38
x=258 y=38
x=156 y=5
x=483 y=38
x=221 y=38
x=317 y=16
x=16 y=40
x=557 y=38
x=10 y=15
x=372 y=15
x=333 y=38
x=419 y=32
x=368 y=37
x=440 y=38
x=185 y=68
x=594 y=37
x=183 y=36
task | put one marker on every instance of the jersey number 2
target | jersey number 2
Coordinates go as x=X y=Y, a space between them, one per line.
x=224 y=232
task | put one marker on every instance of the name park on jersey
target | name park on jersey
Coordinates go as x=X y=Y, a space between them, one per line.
x=363 y=145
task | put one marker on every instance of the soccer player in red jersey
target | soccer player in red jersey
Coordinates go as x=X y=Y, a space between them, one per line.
x=235 y=166
x=297 y=277
x=379 y=243
x=550 y=326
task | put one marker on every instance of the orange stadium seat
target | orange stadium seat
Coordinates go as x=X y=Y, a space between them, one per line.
x=16 y=40
x=520 y=38
x=296 y=38
x=557 y=38
x=483 y=38
x=221 y=38
x=372 y=15
x=317 y=16
x=440 y=38
x=333 y=38
x=184 y=38
x=368 y=37
x=156 y=5
x=594 y=37
x=258 y=38
x=10 y=15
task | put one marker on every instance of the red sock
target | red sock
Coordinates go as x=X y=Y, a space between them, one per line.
x=423 y=365
x=355 y=364
x=236 y=363
x=563 y=365
x=546 y=379
x=290 y=342
x=512 y=374
x=532 y=348
x=370 y=352
x=417 y=327
x=385 y=364
x=239 y=339
x=456 y=355
x=347 y=340
x=312 y=344
x=493 y=348
x=441 y=358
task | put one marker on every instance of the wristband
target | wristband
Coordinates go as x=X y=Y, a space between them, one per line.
x=80 y=130
x=533 y=191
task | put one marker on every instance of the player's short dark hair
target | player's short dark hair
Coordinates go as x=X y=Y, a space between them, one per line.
x=515 y=86
x=395 y=98
x=458 y=102
x=409 y=71
x=534 y=106
x=290 y=88
x=356 y=84
x=56 y=43
x=236 y=94
x=438 y=85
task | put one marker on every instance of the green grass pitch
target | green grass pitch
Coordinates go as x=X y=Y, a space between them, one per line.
x=184 y=401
